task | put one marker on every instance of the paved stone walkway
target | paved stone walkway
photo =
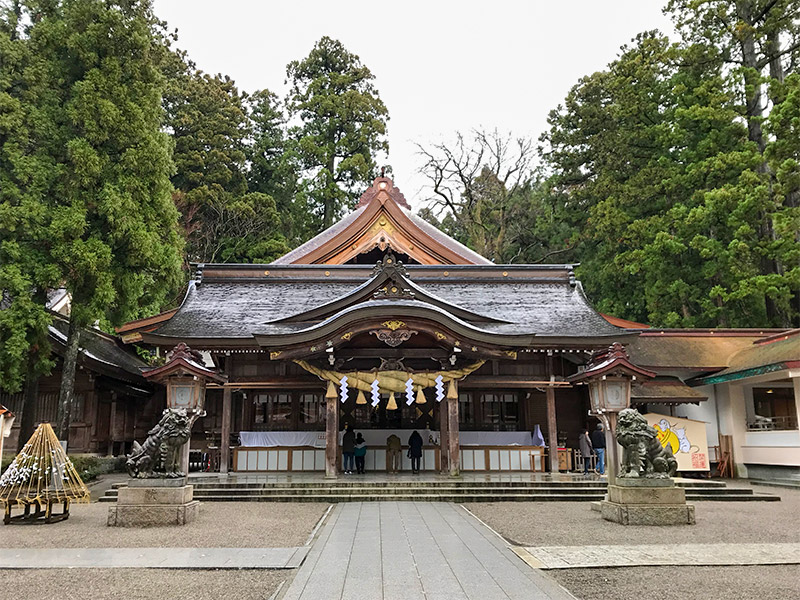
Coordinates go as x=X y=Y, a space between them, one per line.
x=411 y=551
x=574 y=557
x=153 y=558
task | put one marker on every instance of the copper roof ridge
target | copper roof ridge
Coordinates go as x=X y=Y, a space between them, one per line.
x=778 y=337
x=139 y=322
x=710 y=332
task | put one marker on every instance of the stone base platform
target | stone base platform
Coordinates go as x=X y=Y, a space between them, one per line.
x=154 y=502
x=647 y=502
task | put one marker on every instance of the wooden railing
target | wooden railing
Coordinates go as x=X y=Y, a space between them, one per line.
x=787 y=423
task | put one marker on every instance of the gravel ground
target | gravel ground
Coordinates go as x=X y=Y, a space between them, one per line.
x=140 y=584
x=575 y=524
x=683 y=583
x=220 y=525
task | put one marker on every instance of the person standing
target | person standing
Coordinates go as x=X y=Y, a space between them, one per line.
x=348 y=449
x=394 y=446
x=585 y=445
x=415 y=451
x=598 y=438
x=360 y=453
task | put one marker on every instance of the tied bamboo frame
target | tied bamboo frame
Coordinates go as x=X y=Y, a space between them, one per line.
x=42 y=473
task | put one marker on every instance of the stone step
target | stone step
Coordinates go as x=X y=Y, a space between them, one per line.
x=789 y=484
x=392 y=492
x=404 y=497
x=400 y=484
x=743 y=497
x=306 y=491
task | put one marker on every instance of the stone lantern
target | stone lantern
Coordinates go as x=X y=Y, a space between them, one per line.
x=609 y=375
x=185 y=377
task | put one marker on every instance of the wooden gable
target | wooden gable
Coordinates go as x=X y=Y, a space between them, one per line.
x=382 y=220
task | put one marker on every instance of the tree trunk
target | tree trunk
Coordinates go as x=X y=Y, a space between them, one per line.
x=29 y=398
x=328 y=200
x=752 y=77
x=67 y=392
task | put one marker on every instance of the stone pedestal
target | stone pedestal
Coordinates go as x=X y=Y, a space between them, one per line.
x=154 y=502
x=646 y=502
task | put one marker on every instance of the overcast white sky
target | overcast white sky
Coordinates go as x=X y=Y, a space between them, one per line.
x=440 y=66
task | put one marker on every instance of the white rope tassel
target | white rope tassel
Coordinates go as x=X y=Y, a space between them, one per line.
x=439 y=388
x=410 y=391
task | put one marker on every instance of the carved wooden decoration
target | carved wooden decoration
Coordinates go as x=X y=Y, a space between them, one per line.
x=394 y=337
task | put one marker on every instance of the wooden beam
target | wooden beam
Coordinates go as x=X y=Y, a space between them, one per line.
x=510 y=382
x=225 y=442
x=472 y=382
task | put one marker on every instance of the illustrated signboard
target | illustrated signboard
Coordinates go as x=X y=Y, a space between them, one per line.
x=686 y=437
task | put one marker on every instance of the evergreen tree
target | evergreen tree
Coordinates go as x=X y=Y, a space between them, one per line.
x=112 y=232
x=210 y=125
x=25 y=270
x=272 y=165
x=342 y=130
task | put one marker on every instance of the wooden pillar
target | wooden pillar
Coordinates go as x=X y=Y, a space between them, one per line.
x=454 y=456
x=112 y=428
x=444 y=440
x=331 y=437
x=225 y=435
x=552 y=427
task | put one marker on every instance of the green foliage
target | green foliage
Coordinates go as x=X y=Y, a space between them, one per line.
x=674 y=210
x=25 y=174
x=342 y=130
x=89 y=467
x=112 y=230
x=211 y=126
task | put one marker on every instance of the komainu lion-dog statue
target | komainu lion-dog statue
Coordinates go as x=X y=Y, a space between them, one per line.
x=643 y=455
x=160 y=454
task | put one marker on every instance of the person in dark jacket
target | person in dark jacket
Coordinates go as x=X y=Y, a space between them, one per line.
x=348 y=449
x=415 y=451
x=599 y=443
x=361 y=453
x=585 y=445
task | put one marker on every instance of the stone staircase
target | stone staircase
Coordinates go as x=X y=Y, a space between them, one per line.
x=443 y=490
x=787 y=483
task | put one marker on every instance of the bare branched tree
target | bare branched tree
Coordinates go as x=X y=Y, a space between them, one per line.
x=472 y=181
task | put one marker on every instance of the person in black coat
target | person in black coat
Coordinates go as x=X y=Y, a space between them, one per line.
x=415 y=451
x=599 y=443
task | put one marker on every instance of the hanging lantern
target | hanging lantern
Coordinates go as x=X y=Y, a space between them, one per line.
x=421 y=397
x=392 y=405
x=361 y=399
x=452 y=392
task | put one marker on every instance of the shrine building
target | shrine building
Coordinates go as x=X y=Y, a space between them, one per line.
x=385 y=323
